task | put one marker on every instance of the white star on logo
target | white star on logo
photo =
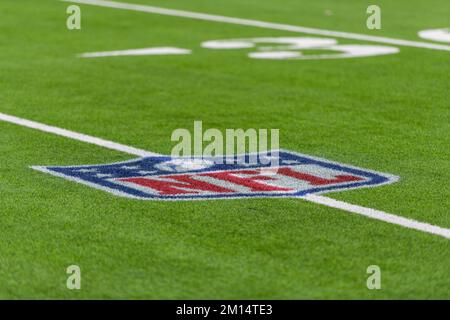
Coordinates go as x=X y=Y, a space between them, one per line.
x=103 y=175
x=87 y=170
x=143 y=172
x=130 y=167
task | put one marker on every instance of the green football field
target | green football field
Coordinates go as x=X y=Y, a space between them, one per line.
x=389 y=113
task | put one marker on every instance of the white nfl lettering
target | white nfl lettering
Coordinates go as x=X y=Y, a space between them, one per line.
x=224 y=184
x=279 y=178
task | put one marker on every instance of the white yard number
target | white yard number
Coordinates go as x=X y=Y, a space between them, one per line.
x=295 y=48
x=441 y=35
x=283 y=48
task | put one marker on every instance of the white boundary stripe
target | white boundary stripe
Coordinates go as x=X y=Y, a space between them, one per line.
x=379 y=215
x=75 y=136
x=367 y=212
x=260 y=24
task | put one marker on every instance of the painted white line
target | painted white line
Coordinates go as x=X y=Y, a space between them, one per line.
x=136 y=52
x=440 y=35
x=260 y=24
x=379 y=215
x=367 y=212
x=75 y=136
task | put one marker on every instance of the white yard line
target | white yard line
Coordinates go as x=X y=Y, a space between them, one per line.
x=260 y=24
x=136 y=52
x=75 y=136
x=379 y=215
x=367 y=212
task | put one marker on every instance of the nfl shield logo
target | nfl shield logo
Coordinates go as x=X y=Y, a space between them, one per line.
x=166 y=178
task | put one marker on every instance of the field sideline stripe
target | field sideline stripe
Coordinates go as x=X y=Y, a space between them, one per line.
x=367 y=212
x=75 y=136
x=260 y=24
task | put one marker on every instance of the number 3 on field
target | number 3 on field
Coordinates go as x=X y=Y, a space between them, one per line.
x=293 y=48
x=440 y=35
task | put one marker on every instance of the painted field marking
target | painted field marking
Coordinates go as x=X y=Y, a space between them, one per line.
x=379 y=215
x=259 y=24
x=75 y=136
x=441 y=35
x=293 y=48
x=329 y=202
x=136 y=52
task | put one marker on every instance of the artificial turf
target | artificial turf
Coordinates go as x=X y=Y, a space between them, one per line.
x=388 y=113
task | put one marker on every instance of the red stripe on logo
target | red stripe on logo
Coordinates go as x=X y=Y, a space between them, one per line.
x=167 y=187
x=314 y=180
